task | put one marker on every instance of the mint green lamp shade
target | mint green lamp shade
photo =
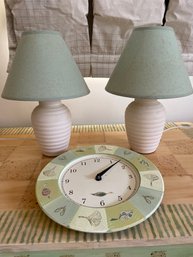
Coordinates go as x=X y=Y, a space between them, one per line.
x=43 y=69
x=150 y=66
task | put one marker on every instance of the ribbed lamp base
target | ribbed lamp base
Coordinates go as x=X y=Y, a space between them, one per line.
x=51 y=121
x=144 y=121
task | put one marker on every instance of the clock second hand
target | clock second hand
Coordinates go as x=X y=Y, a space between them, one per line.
x=100 y=174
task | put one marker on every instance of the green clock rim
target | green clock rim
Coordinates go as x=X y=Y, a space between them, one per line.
x=108 y=219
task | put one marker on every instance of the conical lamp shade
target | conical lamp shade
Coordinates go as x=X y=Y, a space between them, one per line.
x=43 y=69
x=150 y=66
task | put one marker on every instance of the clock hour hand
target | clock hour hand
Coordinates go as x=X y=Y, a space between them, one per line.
x=100 y=174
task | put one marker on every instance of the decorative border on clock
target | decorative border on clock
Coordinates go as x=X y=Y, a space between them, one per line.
x=104 y=219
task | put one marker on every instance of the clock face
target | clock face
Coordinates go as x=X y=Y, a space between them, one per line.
x=93 y=181
x=99 y=189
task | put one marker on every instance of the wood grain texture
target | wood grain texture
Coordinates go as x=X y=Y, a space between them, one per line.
x=24 y=227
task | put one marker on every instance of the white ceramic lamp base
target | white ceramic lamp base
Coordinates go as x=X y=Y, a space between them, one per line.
x=51 y=121
x=144 y=121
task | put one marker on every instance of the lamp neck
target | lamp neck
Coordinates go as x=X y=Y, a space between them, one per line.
x=50 y=103
x=143 y=100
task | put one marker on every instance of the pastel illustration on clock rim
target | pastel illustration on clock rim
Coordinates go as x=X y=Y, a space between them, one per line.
x=99 y=189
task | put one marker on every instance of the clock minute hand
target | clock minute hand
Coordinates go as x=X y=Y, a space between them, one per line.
x=100 y=174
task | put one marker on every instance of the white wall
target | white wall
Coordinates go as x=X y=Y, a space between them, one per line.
x=99 y=107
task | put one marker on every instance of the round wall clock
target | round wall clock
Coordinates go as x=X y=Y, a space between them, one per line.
x=99 y=189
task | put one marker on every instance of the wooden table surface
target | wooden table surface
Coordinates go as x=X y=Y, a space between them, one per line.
x=24 y=227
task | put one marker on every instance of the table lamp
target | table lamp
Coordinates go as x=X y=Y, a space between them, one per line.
x=43 y=70
x=149 y=68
